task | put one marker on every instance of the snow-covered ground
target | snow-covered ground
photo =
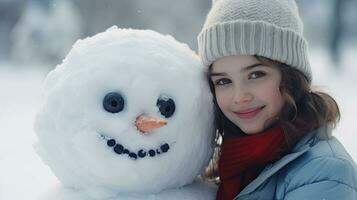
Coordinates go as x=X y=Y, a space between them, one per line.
x=24 y=176
x=22 y=173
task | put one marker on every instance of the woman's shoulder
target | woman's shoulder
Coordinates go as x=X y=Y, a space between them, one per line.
x=322 y=145
x=325 y=163
x=327 y=149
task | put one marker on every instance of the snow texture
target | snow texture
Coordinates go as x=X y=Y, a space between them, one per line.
x=73 y=125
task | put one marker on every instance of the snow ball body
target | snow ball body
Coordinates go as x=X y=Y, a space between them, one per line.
x=77 y=129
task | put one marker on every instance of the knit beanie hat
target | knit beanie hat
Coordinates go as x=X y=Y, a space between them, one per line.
x=268 y=28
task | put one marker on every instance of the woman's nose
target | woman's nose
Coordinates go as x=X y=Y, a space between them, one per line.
x=242 y=96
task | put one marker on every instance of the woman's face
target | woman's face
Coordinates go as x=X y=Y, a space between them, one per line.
x=247 y=92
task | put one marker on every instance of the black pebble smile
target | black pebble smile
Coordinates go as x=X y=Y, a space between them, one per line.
x=121 y=150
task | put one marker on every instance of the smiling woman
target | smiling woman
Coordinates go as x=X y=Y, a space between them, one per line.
x=240 y=79
x=274 y=105
x=276 y=130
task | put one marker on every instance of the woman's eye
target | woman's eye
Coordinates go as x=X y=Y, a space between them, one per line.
x=113 y=102
x=222 y=81
x=256 y=74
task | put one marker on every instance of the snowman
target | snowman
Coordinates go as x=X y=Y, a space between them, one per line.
x=127 y=115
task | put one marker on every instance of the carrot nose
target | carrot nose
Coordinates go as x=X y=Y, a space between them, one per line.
x=145 y=124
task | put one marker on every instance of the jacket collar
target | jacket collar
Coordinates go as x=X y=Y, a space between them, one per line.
x=300 y=148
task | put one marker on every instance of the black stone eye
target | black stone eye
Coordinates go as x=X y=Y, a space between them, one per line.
x=166 y=107
x=113 y=102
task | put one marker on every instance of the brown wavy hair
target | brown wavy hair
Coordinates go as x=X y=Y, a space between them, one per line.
x=304 y=110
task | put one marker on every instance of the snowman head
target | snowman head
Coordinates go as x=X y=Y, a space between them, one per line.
x=127 y=110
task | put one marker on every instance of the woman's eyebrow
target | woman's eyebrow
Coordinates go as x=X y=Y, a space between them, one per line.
x=217 y=74
x=247 y=68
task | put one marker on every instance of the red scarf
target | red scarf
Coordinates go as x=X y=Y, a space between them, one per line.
x=244 y=157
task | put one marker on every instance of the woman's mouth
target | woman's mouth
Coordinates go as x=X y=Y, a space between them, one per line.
x=248 y=113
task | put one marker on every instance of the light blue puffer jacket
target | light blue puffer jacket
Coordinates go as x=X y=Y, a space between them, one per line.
x=318 y=168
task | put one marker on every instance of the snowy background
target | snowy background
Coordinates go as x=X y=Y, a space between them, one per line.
x=36 y=34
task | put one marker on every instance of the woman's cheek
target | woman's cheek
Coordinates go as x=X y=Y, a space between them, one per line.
x=272 y=97
x=222 y=99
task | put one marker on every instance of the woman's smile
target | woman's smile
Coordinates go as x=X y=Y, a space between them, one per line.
x=249 y=113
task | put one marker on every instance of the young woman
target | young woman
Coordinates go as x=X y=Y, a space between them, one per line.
x=276 y=130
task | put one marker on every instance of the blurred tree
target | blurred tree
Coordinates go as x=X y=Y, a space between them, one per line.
x=46 y=32
x=340 y=29
x=182 y=19
x=336 y=31
x=48 y=28
x=10 y=13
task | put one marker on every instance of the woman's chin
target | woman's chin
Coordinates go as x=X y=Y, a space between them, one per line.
x=252 y=129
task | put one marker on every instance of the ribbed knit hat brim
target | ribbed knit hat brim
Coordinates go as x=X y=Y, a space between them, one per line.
x=242 y=37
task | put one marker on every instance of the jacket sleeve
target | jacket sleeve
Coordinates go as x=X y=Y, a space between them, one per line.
x=325 y=178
